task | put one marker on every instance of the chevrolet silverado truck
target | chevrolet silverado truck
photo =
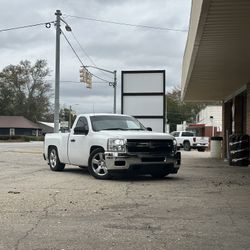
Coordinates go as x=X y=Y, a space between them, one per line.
x=187 y=140
x=110 y=143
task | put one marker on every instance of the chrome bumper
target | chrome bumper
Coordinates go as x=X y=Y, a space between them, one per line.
x=123 y=161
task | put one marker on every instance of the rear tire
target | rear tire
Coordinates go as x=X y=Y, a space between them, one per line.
x=97 y=165
x=54 y=162
x=186 y=146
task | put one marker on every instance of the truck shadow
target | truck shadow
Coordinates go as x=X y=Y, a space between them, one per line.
x=124 y=176
x=138 y=178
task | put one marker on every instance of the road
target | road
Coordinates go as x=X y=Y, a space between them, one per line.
x=205 y=206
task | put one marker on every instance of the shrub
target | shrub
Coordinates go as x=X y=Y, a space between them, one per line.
x=20 y=138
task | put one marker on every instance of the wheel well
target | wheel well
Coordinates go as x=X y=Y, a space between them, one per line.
x=55 y=147
x=50 y=147
x=94 y=147
x=186 y=141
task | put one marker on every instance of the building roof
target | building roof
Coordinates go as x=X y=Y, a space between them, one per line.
x=17 y=122
x=216 y=61
x=48 y=124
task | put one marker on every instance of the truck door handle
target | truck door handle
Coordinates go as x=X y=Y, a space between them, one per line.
x=72 y=140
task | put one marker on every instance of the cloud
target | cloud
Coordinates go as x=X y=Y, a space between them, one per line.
x=110 y=46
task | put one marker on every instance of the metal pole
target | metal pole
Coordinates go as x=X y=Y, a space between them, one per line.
x=115 y=84
x=57 y=72
x=69 y=117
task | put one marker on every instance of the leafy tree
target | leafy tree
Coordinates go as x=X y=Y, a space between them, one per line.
x=24 y=91
x=67 y=114
x=178 y=111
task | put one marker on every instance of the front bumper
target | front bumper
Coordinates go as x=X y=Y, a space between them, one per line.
x=200 y=145
x=144 y=163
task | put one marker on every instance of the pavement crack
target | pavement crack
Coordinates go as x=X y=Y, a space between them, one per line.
x=128 y=187
x=43 y=217
x=230 y=215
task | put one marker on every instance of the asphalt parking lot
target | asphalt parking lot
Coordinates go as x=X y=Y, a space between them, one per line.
x=205 y=206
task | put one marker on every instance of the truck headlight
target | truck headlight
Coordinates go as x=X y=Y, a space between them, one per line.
x=175 y=144
x=116 y=145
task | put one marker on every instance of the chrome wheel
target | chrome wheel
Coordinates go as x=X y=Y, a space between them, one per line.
x=54 y=161
x=53 y=158
x=98 y=164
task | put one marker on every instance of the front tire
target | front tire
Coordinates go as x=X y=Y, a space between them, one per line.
x=54 y=162
x=97 y=165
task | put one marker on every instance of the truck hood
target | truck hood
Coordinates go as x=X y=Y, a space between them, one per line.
x=134 y=134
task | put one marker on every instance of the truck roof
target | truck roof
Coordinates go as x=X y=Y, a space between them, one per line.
x=99 y=114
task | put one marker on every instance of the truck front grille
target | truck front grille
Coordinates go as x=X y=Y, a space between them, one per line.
x=149 y=146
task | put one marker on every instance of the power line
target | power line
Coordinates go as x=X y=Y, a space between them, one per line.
x=73 y=49
x=80 y=58
x=85 y=52
x=47 y=25
x=69 y=81
x=127 y=24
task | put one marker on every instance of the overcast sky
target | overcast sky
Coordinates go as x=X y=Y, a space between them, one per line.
x=110 y=46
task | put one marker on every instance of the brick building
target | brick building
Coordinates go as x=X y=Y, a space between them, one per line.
x=217 y=61
x=208 y=121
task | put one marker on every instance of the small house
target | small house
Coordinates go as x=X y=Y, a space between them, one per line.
x=18 y=125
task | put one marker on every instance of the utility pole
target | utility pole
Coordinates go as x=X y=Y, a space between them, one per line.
x=57 y=72
x=69 y=117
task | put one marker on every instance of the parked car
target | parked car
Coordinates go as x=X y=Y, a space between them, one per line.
x=108 y=143
x=187 y=140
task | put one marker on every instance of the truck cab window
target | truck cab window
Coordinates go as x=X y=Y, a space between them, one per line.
x=175 y=134
x=187 y=134
x=82 y=123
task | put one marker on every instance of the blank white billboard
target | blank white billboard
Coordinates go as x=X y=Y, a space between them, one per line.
x=143 y=83
x=143 y=96
x=143 y=105
x=155 y=124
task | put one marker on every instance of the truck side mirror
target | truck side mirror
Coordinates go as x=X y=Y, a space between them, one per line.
x=149 y=129
x=81 y=131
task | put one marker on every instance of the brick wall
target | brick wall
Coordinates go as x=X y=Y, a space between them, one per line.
x=240 y=113
x=241 y=118
x=248 y=110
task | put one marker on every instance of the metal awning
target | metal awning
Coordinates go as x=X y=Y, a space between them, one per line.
x=216 y=62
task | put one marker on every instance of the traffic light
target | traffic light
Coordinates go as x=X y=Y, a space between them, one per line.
x=86 y=77
x=83 y=74
x=88 y=80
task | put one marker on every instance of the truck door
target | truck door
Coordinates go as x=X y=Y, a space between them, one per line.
x=78 y=143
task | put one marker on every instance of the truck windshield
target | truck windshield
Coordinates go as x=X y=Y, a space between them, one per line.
x=109 y=122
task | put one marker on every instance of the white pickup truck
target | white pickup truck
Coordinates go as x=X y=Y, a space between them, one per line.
x=108 y=143
x=187 y=140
